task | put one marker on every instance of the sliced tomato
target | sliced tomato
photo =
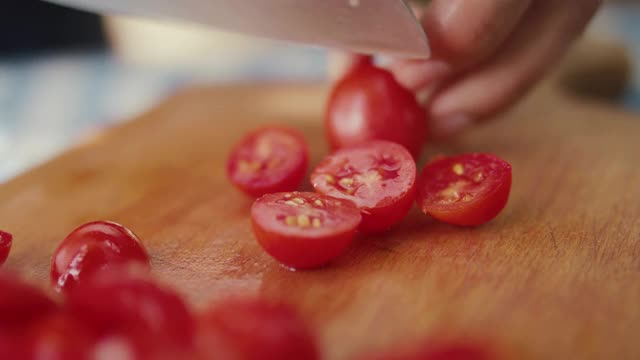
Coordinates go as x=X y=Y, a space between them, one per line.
x=270 y=159
x=255 y=329
x=93 y=247
x=378 y=176
x=465 y=190
x=5 y=246
x=369 y=104
x=302 y=229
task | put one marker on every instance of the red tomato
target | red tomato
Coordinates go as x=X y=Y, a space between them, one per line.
x=464 y=190
x=93 y=247
x=369 y=104
x=302 y=229
x=21 y=303
x=253 y=329
x=135 y=310
x=5 y=246
x=60 y=336
x=446 y=351
x=379 y=177
x=268 y=160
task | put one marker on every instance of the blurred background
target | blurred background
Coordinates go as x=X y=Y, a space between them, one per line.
x=66 y=74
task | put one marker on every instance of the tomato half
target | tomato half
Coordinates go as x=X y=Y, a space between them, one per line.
x=465 y=190
x=255 y=329
x=268 y=160
x=5 y=246
x=369 y=104
x=302 y=229
x=93 y=247
x=379 y=177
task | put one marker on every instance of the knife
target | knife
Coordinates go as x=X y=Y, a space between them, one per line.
x=385 y=27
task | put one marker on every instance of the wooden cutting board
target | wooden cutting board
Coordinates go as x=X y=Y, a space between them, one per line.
x=555 y=276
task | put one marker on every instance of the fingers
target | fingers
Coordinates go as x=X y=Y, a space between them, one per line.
x=340 y=63
x=462 y=33
x=545 y=33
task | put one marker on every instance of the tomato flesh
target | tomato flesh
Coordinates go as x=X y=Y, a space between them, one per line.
x=91 y=248
x=5 y=246
x=378 y=176
x=132 y=308
x=465 y=190
x=302 y=229
x=270 y=159
x=369 y=104
x=254 y=329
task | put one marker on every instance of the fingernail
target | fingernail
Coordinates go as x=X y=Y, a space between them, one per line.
x=443 y=127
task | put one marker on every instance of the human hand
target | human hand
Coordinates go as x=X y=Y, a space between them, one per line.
x=485 y=55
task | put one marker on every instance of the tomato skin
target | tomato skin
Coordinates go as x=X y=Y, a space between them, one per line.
x=118 y=304
x=288 y=147
x=5 y=246
x=384 y=203
x=91 y=248
x=304 y=247
x=255 y=329
x=60 y=337
x=369 y=104
x=489 y=192
x=22 y=303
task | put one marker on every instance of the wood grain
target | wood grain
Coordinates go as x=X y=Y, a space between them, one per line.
x=555 y=276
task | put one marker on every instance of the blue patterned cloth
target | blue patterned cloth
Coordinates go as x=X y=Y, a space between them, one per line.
x=50 y=102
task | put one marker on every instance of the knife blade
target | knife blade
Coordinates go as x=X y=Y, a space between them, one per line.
x=364 y=26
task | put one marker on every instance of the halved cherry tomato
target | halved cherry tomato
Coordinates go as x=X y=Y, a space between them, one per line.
x=135 y=311
x=270 y=159
x=302 y=229
x=93 y=247
x=369 y=104
x=465 y=190
x=378 y=176
x=21 y=303
x=5 y=246
x=255 y=329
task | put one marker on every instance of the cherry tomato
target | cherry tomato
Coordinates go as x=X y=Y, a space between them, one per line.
x=119 y=304
x=268 y=160
x=369 y=104
x=21 y=303
x=464 y=190
x=445 y=351
x=253 y=329
x=5 y=246
x=60 y=336
x=302 y=229
x=379 y=177
x=93 y=247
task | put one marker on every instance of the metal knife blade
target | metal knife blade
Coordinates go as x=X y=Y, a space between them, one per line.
x=365 y=26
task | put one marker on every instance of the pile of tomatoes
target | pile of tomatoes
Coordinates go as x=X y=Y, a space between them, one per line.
x=368 y=184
